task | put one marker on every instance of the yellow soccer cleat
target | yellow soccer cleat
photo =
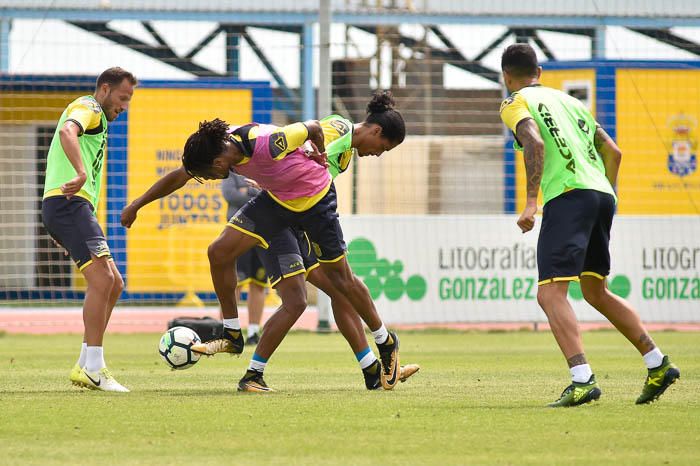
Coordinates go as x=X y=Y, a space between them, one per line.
x=407 y=371
x=230 y=341
x=75 y=376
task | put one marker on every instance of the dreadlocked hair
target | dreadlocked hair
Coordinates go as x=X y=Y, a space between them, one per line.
x=380 y=111
x=204 y=145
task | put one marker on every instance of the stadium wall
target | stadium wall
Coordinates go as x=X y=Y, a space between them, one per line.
x=438 y=269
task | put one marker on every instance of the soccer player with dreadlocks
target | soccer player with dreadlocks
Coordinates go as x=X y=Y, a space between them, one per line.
x=299 y=194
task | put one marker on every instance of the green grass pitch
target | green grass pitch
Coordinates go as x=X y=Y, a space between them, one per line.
x=478 y=399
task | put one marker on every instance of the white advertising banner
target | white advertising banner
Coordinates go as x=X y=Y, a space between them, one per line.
x=432 y=269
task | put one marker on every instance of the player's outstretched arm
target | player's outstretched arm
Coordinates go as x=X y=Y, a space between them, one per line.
x=171 y=182
x=612 y=155
x=530 y=138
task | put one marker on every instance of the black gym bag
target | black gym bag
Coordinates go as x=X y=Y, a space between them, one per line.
x=207 y=328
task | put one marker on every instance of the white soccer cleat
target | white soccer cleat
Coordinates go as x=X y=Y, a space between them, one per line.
x=101 y=380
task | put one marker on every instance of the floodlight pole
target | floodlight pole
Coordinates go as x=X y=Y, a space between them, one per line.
x=323 y=301
x=599 y=43
x=5 y=27
x=324 y=63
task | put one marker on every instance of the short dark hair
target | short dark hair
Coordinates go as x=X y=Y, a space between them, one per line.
x=381 y=111
x=114 y=77
x=204 y=145
x=519 y=60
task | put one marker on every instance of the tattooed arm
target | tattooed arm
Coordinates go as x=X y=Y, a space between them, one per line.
x=528 y=134
x=611 y=154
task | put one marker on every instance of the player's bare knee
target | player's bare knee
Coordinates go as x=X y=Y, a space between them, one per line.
x=593 y=295
x=217 y=254
x=101 y=279
x=342 y=281
x=542 y=297
x=118 y=285
x=296 y=304
x=346 y=285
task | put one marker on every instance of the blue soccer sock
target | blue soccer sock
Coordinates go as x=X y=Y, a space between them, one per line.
x=257 y=363
x=365 y=358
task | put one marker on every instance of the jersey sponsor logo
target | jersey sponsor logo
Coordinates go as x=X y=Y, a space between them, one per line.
x=682 y=160
x=590 y=147
x=97 y=164
x=555 y=133
x=583 y=126
x=340 y=126
x=294 y=265
x=278 y=144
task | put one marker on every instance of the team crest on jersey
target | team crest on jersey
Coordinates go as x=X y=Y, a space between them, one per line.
x=509 y=100
x=92 y=105
x=682 y=160
x=278 y=144
x=340 y=126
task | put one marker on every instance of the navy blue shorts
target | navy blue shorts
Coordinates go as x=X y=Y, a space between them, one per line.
x=263 y=218
x=250 y=269
x=575 y=236
x=290 y=253
x=72 y=223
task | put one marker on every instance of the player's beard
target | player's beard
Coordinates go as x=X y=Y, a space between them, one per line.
x=109 y=111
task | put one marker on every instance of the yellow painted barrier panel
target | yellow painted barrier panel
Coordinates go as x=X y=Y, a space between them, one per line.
x=167 y=245
x=657 y=129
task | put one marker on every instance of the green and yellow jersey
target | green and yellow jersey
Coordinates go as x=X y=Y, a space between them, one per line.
x=92 y=139
x=337 y=133
x=568 y=130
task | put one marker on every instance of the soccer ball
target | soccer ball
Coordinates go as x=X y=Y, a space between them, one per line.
x=176 y=347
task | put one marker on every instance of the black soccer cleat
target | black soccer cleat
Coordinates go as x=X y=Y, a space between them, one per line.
x=253 y=382
x=389 y=355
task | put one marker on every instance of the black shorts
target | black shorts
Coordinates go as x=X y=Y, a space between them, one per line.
x=72 y=223
x=290 y=253
x=263 y=218
x=250 y=269
x=575 y=236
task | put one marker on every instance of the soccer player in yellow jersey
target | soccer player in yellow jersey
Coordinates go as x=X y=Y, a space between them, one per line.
x=71 y=194
x=575 y=163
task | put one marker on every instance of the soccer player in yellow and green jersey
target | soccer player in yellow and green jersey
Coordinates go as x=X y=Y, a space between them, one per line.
x=575 y=162
x=71 y=193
